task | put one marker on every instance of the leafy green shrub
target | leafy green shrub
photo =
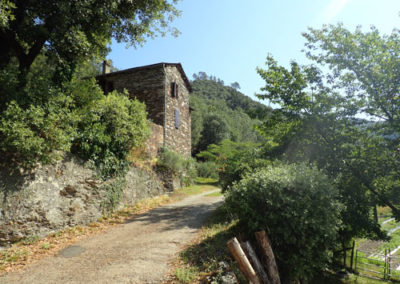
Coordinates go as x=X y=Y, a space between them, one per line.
x=184 y=167
x=297 y=206
x=37 y=133
x=233 y=160
x=108 y=129
x=171 y=160
x=207 y=169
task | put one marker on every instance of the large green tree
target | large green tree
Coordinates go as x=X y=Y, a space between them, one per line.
x=71 y=30
x=344 y=118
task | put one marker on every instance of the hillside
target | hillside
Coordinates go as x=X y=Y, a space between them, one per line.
x=222 y=112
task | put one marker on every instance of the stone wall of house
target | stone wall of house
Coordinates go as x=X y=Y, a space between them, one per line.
x=66 y=194
x=156 y=140
x=145 y=84
x=177 y=138
x=152 y=85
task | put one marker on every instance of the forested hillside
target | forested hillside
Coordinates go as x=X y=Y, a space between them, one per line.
x=222 y=112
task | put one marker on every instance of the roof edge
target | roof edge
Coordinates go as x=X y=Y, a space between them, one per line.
x=177 y=65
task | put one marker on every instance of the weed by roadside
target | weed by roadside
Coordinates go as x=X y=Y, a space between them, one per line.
x=203 y=256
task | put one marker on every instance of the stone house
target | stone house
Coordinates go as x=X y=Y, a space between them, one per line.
x=164 y=88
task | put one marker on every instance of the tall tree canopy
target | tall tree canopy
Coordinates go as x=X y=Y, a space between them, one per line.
x=344 y=118
x=71 y=30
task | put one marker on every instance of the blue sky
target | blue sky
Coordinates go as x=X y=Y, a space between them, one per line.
x=230 y=38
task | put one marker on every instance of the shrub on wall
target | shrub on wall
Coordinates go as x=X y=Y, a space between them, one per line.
x=184 y=167
x=109 y=129
x=297 y=206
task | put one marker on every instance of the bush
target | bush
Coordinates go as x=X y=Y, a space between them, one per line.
x=37 y=133
x=233 y=160
x=297 y=206
x=207 y=169
x=108 y=130
x=184 y=167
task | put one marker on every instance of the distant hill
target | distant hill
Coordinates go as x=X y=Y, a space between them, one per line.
x=222 y=112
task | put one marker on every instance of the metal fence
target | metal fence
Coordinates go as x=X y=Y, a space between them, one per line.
x=383 y=266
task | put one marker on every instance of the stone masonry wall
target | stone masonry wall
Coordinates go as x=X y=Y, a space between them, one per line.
x=147 y=85
x=66 y=194
x=155 y=142
x=178 y=139
x=151 y=85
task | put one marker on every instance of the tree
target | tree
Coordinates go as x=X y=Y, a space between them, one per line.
x=319 y=119
x=235 y=85
x=215 y=129
x=72 y=30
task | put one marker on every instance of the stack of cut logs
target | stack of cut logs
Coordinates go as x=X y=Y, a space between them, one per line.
x=256 y=271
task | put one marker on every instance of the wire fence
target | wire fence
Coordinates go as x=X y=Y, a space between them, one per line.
x=379 y=265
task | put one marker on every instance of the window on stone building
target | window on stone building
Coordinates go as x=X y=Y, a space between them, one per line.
x=174 y=89
x=110 y=87
x=177 y=122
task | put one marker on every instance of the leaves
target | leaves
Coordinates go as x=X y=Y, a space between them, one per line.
x=298 y=207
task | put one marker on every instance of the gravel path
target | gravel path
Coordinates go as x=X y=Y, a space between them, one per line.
x=135 y=252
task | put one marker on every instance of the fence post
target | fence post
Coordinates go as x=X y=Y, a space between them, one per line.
x=385 y=267
x=352 y=256
x=389 y=265
x=355 y=263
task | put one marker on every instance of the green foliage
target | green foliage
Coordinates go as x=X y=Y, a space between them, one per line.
x=38 y=133
x=298 y=207
x=114 y=189
x=233 y=160
x=319 y=119
x=70 y=32
x=184 y=167
x=207 y=169
x=6 y=14
x=185 y=275
x=108 y=129
x=222 y=112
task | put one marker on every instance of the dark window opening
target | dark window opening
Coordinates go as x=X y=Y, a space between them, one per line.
x=109 y=87
x=174 y=89
x=177 y=122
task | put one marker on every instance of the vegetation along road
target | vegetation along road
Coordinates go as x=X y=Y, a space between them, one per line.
x=137 y=251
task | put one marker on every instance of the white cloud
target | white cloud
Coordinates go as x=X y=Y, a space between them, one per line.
x=332 y=10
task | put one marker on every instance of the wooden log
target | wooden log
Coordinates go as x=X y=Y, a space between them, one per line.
x=269 y=258
x=243 y=262
x=255 y=262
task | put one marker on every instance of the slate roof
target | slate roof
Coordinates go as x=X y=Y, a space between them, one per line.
x=157 y=65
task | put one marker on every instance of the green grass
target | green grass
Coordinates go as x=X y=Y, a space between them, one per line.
x=45 y=246
x=218 y=193
x=332 y=278
x=204 y=255
x=195 y=189
x=202 y=180
x=30 y=240
x=185 y=275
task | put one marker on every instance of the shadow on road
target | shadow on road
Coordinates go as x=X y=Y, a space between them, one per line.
x=190 y=216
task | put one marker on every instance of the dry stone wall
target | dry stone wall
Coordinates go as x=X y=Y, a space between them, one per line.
x=177 y=138
x=152 y=85
x=147 y=85
x=63 y=195
x=155 y=142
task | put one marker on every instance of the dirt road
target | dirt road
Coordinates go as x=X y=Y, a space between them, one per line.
x=135 y=252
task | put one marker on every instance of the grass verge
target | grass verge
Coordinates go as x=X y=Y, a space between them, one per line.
x=203 y=255
x=34 y=248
